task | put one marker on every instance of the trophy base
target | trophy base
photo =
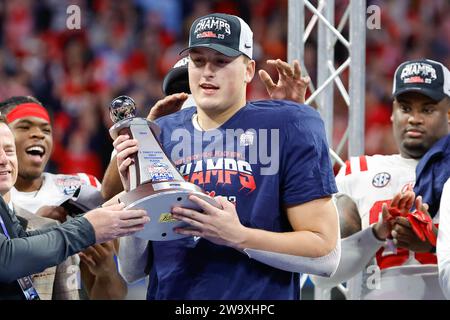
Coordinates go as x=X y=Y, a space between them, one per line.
x=158 y=199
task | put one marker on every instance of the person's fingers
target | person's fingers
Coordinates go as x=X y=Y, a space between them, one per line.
x=62 y=212
x=267 y=80
x=395 y=200
x=167 y=105
x=124 y=159
x=224 y=203
x=185 y=218
x=404 y=235
x=407 y=238
x=422 y=206
x=158 y=104
x=402 y=232
x=123 y=167
x=53 y=212
x=102 y=249
x=394 y=233
x=306 y=80
x=88 y=251
x=286 y=67
x=173 y=101
x=203 y=204
x=283 y=72
x=385 y=212
x=117 y=206
x=419 y=203
x=87 y=260
x=272 y=62
x=107 y=248
x=93 y=252
x=410 y=200
x=403 y=222
x=189 y=232
x=130 y=231
x=132 y=214
x=401 y=202
x=127 y=223
x=120 y=139
x=297 y=70
x=402 y=244
x=180 y=213
x=181 y=98
x=126 y=148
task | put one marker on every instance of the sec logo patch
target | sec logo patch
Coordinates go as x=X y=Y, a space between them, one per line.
x=381 y=179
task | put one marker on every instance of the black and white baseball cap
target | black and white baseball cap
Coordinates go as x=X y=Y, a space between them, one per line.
x=177 y=79
x=425 y=76
x=228 y=34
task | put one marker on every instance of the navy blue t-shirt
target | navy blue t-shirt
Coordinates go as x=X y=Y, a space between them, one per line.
x=269 y=154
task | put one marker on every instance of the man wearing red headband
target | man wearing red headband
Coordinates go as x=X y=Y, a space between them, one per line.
x=37 y=194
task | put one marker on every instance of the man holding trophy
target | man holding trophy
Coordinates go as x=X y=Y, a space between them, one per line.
x=267 y=160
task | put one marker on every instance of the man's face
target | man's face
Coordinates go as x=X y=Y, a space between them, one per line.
x=8 y=159
x=218 y=82
x=34 y=145
x=418 y=122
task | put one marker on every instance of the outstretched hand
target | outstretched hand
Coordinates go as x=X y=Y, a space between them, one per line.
x=290 y=86
x=114 y=221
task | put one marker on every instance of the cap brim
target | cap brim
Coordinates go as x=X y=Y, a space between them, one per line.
x=176 y=81
x=436 y=96
x=218 y=47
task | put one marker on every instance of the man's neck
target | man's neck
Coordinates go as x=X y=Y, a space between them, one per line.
x=29 y=185
x=212 y=120
x=7 y=197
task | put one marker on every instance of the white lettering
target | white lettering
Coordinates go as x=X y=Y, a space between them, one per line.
x=374 y=20
x=373 y=281
x=213 y=23
x=74 y=19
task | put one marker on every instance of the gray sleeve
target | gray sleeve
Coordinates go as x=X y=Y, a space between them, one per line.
x=133 y=258
x=357 y=251
x=324 y=266
x=34 y=252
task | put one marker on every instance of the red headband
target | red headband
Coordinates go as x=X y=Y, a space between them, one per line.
x=29 y=109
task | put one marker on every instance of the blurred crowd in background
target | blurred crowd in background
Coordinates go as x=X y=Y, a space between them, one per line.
x=127 y=46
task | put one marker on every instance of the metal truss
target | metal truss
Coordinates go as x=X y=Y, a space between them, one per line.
x=329 y=74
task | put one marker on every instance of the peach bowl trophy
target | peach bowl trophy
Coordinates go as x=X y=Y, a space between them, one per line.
x=155 y=184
